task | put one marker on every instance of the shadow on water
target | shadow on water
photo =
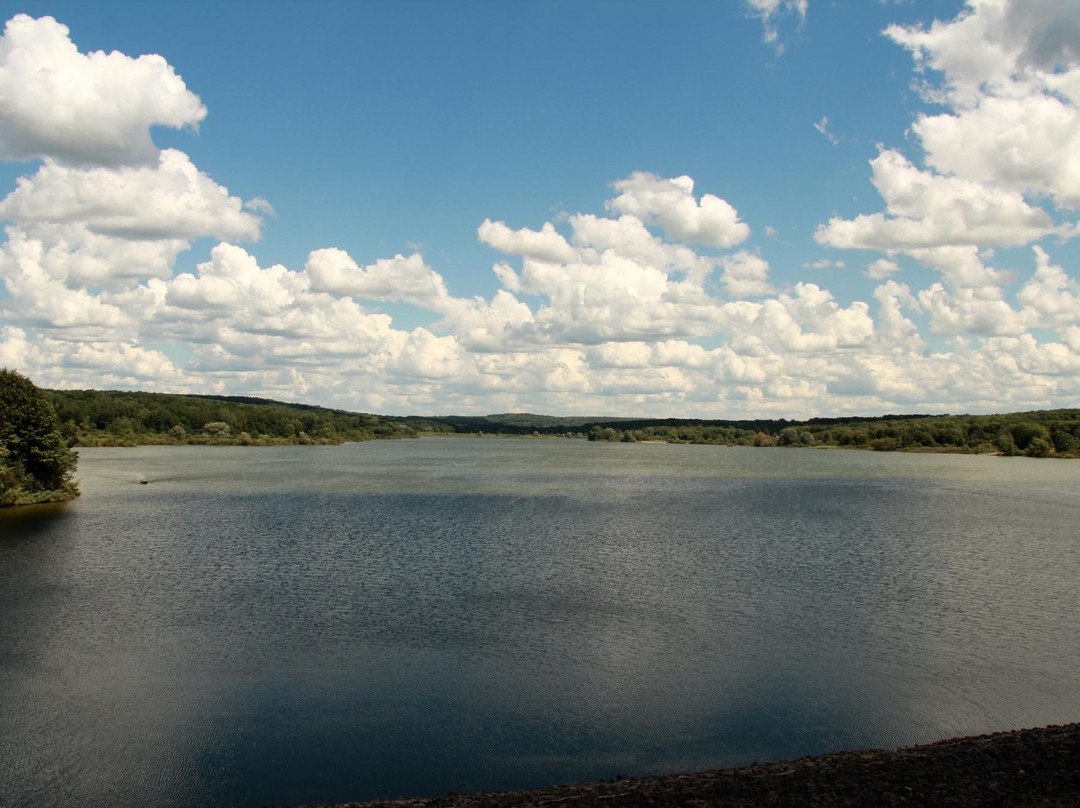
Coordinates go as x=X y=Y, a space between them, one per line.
x=28 y=521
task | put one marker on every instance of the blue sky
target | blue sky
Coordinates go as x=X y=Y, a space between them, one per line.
x=350 y=133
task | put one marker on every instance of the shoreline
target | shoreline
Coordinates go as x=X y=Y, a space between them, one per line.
x=1028 y=767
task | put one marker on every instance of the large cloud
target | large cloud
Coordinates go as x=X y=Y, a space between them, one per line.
x=670 y=203
x=73 y=254
x=171 y=199
x=397 y=279
x=994 y=44
x=1002 y=166
x=925 y=209
x=84 y=109
x=542 y=245
x=1011 y=72
x=106 y=209
x=1029 y=144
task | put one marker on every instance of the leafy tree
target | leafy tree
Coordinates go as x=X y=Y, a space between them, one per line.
x=1006 y=443
x=1064 y=441
x=36 y=464
x=789 y=436
x=1026 y=432
x=218 y=429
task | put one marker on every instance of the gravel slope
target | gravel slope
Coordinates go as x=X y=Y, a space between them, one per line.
x=1033 y=767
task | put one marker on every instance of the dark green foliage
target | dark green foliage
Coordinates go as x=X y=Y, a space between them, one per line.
x=1025 y=432
x=1050 y=432
x=1005 y=443
x=95 y=418
x=114 y=418
x=1038 y=448
x=36 y=464
x=1064 y=441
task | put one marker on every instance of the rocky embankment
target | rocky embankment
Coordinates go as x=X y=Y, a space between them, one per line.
x=1033 y=767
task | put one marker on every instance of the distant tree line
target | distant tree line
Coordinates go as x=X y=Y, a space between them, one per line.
x=114 y=418
x=1035 y=434
x=110 y=418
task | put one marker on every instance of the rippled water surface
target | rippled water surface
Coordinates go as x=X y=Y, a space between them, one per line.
x=310 y=624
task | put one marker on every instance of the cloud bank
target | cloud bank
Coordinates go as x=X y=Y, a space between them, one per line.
x=660 y=306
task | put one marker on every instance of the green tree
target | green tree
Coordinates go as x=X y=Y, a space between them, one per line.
x=1006 y=443
x=36 y=464
x=217 y=429
x=789 y=436
x=1064 y=442
x=1026 y=432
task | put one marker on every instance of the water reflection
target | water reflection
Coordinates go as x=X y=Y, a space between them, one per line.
x=308 y=624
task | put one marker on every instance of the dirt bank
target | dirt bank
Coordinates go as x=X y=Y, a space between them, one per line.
x=1034 y=767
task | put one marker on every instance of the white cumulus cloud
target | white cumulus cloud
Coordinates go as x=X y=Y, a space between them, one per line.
x=925 y=209
x=170 y=199
x=670 y=203
x=399 y=278
x=543 y=245
x=1010 y=70
x=84 y=109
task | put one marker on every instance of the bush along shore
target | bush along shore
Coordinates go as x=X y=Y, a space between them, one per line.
x=114 y=418
x=1034 y=767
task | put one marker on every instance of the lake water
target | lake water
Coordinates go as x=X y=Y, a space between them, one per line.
x=390 y=619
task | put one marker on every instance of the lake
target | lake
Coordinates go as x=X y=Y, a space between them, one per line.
x=403 y=618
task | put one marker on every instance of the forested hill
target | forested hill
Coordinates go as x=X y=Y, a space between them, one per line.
x=114 y=418
x=1039 y=433
x=101 y=418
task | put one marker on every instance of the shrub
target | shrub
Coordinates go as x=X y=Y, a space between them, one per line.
x=1038 y=448
x=885 y=444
